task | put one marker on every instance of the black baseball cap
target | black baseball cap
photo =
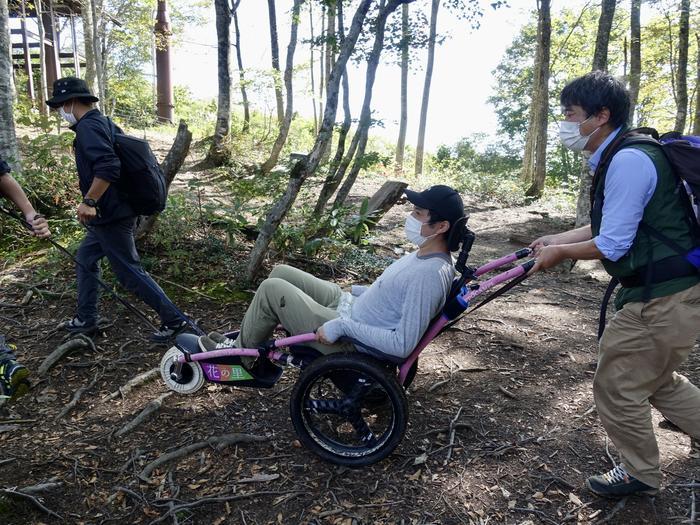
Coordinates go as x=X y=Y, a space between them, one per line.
x=68 y=88
x=441 y=200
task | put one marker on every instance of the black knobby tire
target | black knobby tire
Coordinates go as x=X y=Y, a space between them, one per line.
x=411 y=374
x=349 y=428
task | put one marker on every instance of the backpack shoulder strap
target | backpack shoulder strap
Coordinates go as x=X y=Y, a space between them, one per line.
x=112 y=128
x=604 y=305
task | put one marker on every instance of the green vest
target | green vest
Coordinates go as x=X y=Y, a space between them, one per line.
x=665 y=212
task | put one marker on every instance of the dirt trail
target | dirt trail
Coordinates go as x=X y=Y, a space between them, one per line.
x=521 y=457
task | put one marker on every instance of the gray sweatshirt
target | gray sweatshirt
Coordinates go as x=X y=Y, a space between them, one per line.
x=394 y=312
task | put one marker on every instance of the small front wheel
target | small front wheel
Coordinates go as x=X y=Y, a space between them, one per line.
x=354 y=424
x=190 y=379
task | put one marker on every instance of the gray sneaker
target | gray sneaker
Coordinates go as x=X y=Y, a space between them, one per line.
x=167 y=332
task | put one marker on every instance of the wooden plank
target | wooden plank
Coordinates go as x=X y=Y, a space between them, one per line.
x=385 y=198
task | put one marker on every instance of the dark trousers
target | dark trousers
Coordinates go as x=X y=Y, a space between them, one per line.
x=116 y=242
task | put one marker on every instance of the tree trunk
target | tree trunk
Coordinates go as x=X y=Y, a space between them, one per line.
x=331 y=182
x=682 y=71
x=89 y=40
x=696 y=119
x=528 y=169
x=366 y=114
x=274 y=48
x=600 y=62
x=542 y=94
x=43 y=81
x=600 y=56
x=241 y=71
x=98 y=39
x=321 y=65
x=304 y=168
x=313 y=66
x=403 y=121
x=216 y=154
x=8 y=140
x=330 y=53
x=171 y=165
x=420 y=144
x=635 y=56
x=271 y=162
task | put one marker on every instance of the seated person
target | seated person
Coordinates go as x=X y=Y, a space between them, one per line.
x=13 y=374
x=391 y=315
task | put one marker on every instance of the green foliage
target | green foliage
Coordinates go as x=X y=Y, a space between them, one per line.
x=48 y=175
x=200 y=115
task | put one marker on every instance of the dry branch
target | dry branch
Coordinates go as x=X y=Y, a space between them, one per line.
x=152 y=406
x=77 y=343
x=27 y=493
x=220 y=442
x=138 y=380
x=218 y=499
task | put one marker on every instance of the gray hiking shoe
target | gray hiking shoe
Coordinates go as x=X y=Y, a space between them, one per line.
x=618 y=483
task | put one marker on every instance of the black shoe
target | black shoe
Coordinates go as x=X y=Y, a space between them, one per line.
x=76 y=326
x=13 y=380
x=167 y=332
x=618 y=483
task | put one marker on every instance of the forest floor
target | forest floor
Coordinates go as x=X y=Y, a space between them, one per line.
x=516 y=376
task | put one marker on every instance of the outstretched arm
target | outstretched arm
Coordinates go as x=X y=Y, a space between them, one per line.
x=13 y=191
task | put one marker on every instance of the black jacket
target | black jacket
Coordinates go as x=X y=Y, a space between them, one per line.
x=4 y=167
x=95 y=157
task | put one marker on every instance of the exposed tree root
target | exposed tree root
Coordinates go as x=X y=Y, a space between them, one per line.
x=220 y=442
x=138 y=380
x=152 y=406
x=75 y=399
x=76 y=343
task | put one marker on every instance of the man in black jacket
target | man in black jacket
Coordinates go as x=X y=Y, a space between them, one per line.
x=13 y=375
x=106 y=213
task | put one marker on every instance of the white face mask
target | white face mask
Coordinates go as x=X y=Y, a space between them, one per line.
x=68 y=116
x=412 y=230
x=570 y=135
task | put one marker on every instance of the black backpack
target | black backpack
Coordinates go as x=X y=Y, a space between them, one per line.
x=141 y=181
x=683 y=154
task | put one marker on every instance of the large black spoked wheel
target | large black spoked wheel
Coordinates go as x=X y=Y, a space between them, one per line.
x=354 y=426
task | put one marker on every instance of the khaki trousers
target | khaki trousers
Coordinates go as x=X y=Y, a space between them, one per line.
x=295 y=299
x=639 y=353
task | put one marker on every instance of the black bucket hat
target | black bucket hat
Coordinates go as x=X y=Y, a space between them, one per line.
x=441 y=200
x=68 y=88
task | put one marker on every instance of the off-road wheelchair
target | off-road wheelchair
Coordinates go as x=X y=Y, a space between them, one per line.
x=348 y=408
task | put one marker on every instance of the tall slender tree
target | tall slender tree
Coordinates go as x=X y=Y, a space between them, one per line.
x=696 y=119
x=241 y=70
x=540 y=103
x=635 y=55
x=313 y=66
x=600 y=62
x=8 y=140
x=223 y=111
x=420 y=143
x=288 y=113
x=403 y=120
x=682 y=68
x=331 y=182
x=275 y=52
x=301 y=171
x=600 y=55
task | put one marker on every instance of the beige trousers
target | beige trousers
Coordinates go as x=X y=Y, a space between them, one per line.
x=640 y=351
x=295 y=299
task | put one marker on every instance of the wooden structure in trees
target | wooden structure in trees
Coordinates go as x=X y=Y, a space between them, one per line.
x=51 y=18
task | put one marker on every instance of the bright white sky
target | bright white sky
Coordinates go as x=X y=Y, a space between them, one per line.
x=462 y=79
